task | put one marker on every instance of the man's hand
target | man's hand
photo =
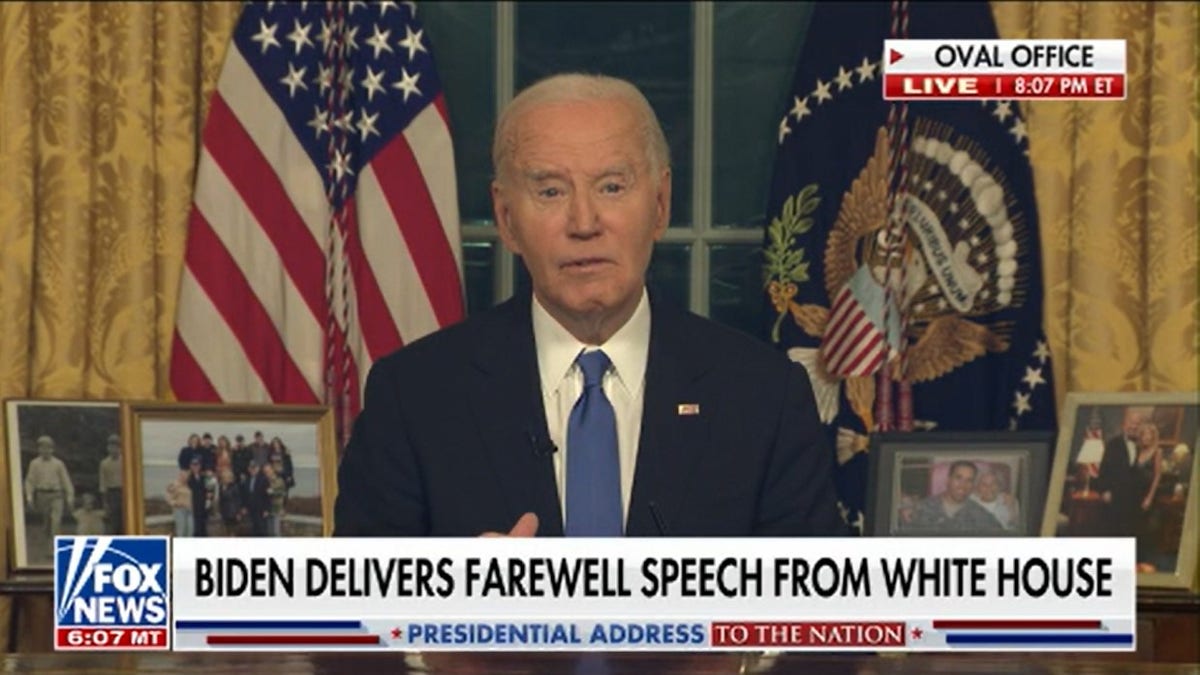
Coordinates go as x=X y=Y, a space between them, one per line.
x=526 y=526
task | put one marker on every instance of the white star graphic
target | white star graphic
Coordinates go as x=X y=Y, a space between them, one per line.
x=800 y=109
x=326 y=36
x=324 y=78
x=379 y=41
x=1003 y=110
x=982 y=258
x=266 y=35
x=373 y=82
x=350 y=40
x=412 y=7
x=1021 y=403
x=1033 y=377
x=408 y=83
x=941 y=195
x=1042 y=351
x=412 y=42
x=784 y=129
x=822 y=92
x=320 y=120
x=299 y=36
x=345 y=122
x=1018 y=130
x=294 y=78
x=347 y=83
x=953 y=208
x=926 y=186
x=385 y=5
x=366 y=125
x=843 y=78
x=353 y=5
x=866 y=71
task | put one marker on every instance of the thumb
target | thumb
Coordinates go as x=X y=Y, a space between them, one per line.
x=527 y=526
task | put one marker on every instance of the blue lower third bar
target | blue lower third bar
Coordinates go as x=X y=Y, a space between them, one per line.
x=267 y=625
x=1039 y=639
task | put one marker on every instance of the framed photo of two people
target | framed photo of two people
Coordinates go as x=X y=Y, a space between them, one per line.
x=955 y=484
x=1126 y=466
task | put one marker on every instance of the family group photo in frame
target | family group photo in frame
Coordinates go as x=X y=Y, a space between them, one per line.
x=65 y=474
x=1126 y=466
x=206 y=470
x=931 y=484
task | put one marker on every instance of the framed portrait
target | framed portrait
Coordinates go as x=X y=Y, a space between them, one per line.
x=1126 y=467
x=957 y=484
x=198 y=470
x=65 y=474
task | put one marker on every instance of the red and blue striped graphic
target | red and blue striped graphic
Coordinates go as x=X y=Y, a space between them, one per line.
x=228 y=633
x=1029 y=632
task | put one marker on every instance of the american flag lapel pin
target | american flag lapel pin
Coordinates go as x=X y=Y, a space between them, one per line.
x=689 y=409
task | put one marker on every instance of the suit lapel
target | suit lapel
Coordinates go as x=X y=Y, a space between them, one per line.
x=507 y=402
x=671 y=439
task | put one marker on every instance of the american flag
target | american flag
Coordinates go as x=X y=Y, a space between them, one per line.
x=324 y=228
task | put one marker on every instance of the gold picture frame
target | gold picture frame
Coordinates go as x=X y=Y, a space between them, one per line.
x=161 y=494
x=1103 y=484
x=54 y=499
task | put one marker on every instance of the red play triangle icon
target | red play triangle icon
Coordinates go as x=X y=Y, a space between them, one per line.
x=894 y=56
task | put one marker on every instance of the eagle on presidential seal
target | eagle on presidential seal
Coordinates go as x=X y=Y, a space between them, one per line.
x=935 y=297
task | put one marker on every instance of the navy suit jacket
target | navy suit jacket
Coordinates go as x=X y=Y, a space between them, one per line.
x=452 y=438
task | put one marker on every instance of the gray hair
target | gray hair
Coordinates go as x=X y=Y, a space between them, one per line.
x=567 y=87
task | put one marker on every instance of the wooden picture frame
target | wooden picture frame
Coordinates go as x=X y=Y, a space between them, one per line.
x=1096 y=487
x=164 y=497
x=911 y=492
x=69 y=491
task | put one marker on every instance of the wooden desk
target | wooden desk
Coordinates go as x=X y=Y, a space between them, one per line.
x=543 y=663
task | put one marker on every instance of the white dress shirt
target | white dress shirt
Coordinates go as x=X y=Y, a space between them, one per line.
x=624 y=384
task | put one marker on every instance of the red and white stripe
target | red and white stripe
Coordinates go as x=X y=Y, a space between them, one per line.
x=254 y=302
x=852 y=345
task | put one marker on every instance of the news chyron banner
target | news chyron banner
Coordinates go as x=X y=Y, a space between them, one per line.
x=954 y=70
x=873 y=594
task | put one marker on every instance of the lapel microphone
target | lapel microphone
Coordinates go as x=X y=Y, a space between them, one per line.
x=540 y=447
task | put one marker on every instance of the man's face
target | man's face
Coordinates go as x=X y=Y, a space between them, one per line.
x=114 y=450
x=987 y=487
x=961 y=481
x=577 y=201
x=1134 y=419
x=45 y=449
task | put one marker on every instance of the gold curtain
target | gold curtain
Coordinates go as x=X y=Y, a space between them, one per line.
x=1117 y=200
x=100 y=112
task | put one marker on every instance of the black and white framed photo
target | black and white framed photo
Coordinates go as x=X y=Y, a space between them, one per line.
x=65 y=474
x=230 y=470
x=1126 y=467
x=957 y=484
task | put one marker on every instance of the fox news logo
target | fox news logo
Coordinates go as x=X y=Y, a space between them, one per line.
x=111 y=582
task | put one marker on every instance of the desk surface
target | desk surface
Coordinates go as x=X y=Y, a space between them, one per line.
x=543 y=663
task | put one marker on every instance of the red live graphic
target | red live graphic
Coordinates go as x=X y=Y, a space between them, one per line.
x=1004 y=86
x=808 y=634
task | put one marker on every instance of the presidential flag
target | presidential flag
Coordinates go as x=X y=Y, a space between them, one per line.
x=902 y=265
x=324 y=228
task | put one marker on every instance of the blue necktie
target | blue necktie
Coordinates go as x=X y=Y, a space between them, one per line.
x=593 y=469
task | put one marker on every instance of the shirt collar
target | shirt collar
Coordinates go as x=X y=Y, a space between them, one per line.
x=628 y=348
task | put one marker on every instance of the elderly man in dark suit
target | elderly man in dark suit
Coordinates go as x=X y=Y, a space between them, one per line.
x=589 y=407
x=1116 y=484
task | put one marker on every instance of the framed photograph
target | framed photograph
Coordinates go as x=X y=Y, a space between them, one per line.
x=1126 y=467
x=957 y=484
x=65 y=475
x=198 y=470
